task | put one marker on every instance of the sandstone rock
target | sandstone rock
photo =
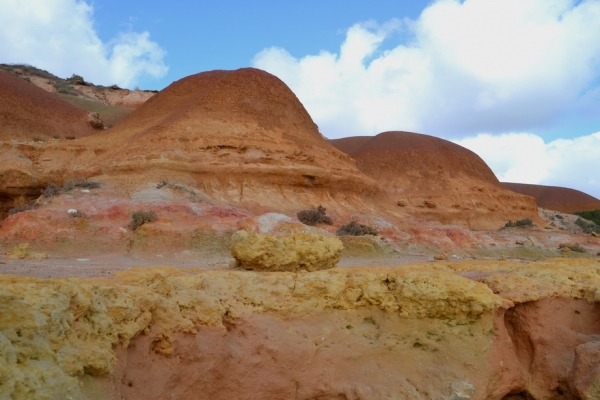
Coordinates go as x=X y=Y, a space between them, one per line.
x=375 y=324
x=584 y=379
x=459 y=187
x=23 y=252
x=301 y=251
x=440 y=257
x=576 y=247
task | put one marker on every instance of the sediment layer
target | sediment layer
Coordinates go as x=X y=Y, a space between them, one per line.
x=483 y=329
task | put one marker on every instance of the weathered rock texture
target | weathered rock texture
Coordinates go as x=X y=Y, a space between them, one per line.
x=557 y=198
x=241 y=136
x=436 y=179
x=423 y=331
x=301 y=251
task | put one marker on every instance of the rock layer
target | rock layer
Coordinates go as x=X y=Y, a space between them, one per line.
x=241 y=136
x=415 y=331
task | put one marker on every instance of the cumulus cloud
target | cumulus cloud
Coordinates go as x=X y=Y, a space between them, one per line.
x=526 y=158
x=59 y=36
x=469 y=66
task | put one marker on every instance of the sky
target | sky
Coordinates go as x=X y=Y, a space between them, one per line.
x=516 y=81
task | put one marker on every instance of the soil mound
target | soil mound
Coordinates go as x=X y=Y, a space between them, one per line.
x=437 y=179
x=28 y=112
x=239 y=135
x=557 y=198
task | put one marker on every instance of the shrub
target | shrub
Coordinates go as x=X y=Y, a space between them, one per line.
x=355 y=229
x=590 y=215
x=19 y=209
x=64 y=88
x=38 y=139
x=139 y=218
x=51 y=190
x=524 y=222
x=520 y=222
x=587 y=226
x=314 y=217
x=70 y=137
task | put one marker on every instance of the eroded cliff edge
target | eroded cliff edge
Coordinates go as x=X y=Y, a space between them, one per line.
x=479 y=330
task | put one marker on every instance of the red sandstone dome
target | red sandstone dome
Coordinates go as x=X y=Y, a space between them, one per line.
x=241 y=136
x=437 y=179
x=28 y=112
x=557 y=198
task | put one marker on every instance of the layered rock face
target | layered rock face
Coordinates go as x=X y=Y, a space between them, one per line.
x=438 y=180
x=28 y=116
x=241 y=136
x=472 y=330
x=557 y=198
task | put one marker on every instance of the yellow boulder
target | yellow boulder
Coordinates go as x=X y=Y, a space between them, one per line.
x=302 y=251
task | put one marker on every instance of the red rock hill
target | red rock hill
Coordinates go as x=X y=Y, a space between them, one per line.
x=28 y=112
x=557 y=198
x=437 y=179
x=241 y=136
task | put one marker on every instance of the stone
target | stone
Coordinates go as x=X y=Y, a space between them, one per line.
x=584 y=379
x=23 y=252
x=302 y=251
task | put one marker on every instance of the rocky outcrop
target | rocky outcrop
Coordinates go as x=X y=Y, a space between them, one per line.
x=302 y=251
x=479 y=330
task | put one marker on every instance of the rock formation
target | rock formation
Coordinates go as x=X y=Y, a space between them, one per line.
x=241 y=136
x=301 y=251
x=471 y=330
x=557 y=198
x=436 y=179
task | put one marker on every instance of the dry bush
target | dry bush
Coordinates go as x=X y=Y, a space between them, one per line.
x=520 y=222
x=18 y=209
x=51 y=190
x=355 y=229
x=139 y=218
x=314 y=217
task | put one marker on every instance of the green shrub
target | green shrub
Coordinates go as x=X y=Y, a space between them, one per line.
x=139 y=218
x=64 y=88
x=590 y=215
x=314 y=217
x=355 y=229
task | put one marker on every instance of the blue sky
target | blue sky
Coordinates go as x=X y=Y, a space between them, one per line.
x=202 y=36
x=516 y=81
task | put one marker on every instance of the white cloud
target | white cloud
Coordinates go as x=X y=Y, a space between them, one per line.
x=59 y=36
x=526 y=158
x=471 y=66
